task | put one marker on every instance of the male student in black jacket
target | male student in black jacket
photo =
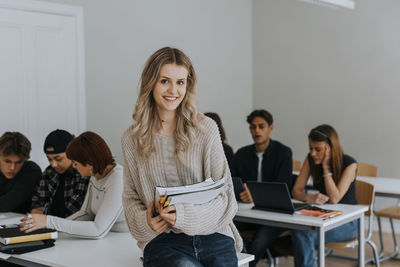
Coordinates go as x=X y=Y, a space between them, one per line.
x=266 y=160
x=18 y=175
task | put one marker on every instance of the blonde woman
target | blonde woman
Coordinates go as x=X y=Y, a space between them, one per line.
x=171 y=144
x=334 y=175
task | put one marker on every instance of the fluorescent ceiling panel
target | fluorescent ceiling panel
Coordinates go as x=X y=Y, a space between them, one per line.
x=334 y=3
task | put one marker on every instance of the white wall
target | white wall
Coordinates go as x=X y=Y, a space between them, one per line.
x=316 y=65
x=311 y=65
x=120 y=35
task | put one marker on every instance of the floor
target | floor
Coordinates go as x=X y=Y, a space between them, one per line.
x=330 y=261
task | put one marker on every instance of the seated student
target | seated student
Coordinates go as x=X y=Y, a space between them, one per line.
x=18 y=175
x=61 y=188
x=171 y=144
x=334 y=175
x=266 y=160
x=102 y=208
x=227 y=148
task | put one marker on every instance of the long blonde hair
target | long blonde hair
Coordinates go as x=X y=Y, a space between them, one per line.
x=146 y=116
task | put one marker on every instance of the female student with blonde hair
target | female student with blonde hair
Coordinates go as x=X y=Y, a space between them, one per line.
x=333 y=174
x=101 y=210
x=171 y=144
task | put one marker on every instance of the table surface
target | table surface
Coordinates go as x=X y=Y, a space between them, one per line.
x=296 y=221
x=349 y=211
x=115 y=249
x=383 y=186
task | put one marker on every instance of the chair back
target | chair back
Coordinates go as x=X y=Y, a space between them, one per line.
x=365 y=194
x=365 y=169
x=296 y=165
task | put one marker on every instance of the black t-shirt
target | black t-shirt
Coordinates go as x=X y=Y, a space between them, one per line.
x=350 y=196
x=57 y=207
x=16 y=193
x=276 y=164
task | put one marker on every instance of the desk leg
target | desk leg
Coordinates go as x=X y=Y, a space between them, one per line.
x=321 y=247
x=361 y=241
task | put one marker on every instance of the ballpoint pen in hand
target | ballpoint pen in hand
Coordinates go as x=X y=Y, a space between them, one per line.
x=46 y=207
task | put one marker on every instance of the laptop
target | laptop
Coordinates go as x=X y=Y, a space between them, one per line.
x=273 y=196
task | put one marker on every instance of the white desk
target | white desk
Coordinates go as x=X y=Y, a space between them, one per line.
x=300 y=222
x=115 y=249
x=384 y=187
x=10 y=218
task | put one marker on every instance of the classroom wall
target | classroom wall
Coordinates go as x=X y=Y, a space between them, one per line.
x=314 y=65
x=120 y=35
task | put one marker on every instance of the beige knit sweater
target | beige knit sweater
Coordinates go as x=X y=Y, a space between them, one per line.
x=203 y=158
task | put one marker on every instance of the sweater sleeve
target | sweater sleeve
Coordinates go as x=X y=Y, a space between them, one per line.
x=209 y=217
x=134 y=208
x=110 y=209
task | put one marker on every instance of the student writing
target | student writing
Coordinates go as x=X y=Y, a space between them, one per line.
x=101 y=210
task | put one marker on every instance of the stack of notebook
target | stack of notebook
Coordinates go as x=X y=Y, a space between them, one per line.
x=199 y=193
x=13 y=240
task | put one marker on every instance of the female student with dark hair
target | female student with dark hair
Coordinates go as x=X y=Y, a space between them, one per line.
x=101 y=210
x=333 y=174
x=227 y=148
x=171 y=144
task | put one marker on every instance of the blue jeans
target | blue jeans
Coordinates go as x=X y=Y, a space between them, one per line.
x=305 y=242
x=186 y=251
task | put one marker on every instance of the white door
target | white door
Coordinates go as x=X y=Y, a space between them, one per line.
x=41 y=71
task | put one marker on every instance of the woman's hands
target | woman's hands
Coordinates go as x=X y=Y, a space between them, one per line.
x=168 y=214
x=326 y=162
x=38 y=210
x=33 y=222
x=161 y=222
x=318 y=198
x=245 y=196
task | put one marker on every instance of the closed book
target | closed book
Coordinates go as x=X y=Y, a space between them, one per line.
x=314 y=211
x=13 y=235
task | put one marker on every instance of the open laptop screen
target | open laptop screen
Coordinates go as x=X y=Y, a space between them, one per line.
x=272 y=196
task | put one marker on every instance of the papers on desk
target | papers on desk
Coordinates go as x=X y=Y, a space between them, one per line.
x=314 y=211
x=199 y=193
